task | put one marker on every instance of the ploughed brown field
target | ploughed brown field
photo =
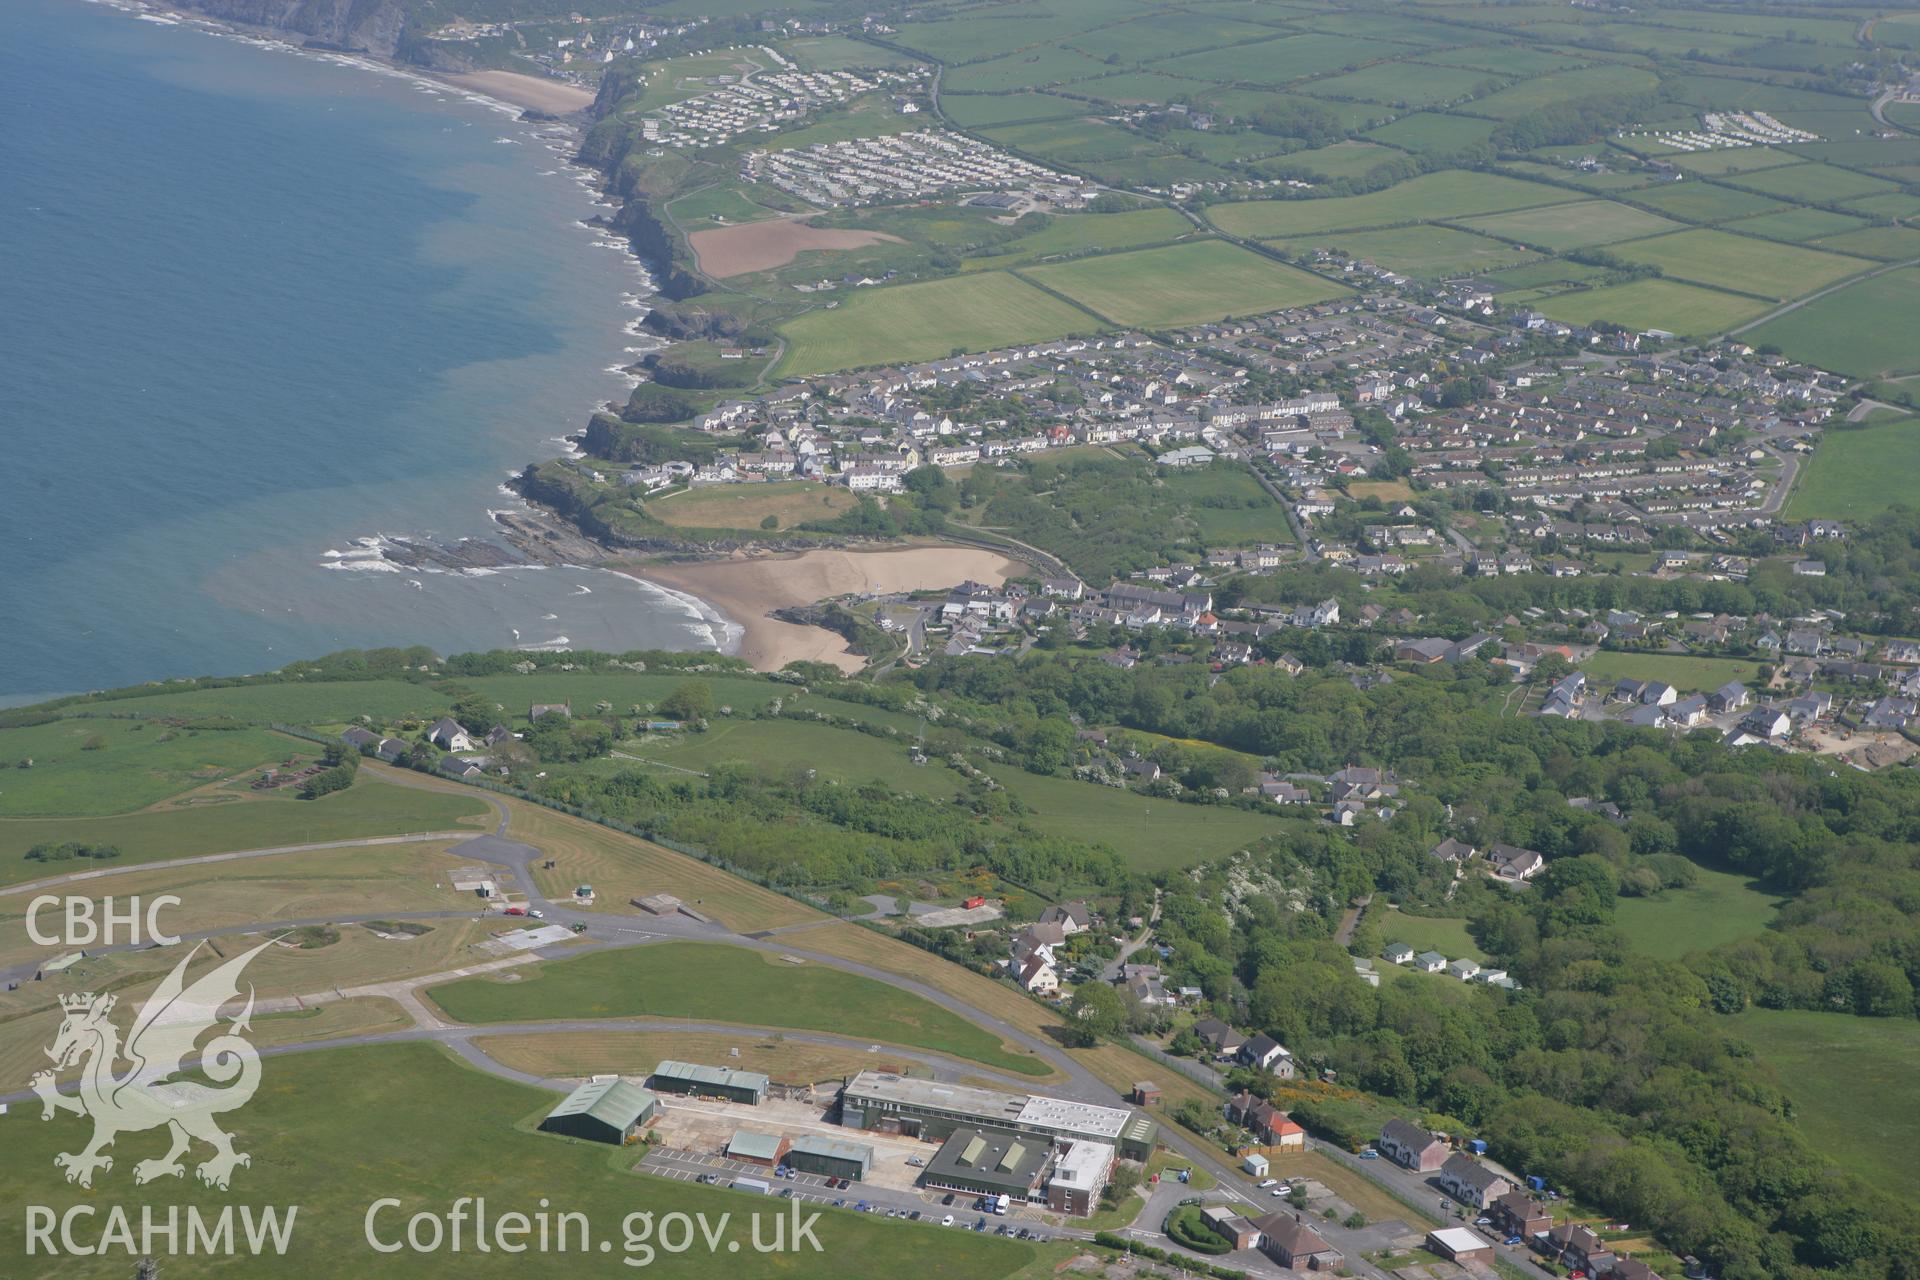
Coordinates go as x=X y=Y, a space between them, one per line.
x=762 y=246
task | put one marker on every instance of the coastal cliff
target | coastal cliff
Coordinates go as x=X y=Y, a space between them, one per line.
x=375 y=26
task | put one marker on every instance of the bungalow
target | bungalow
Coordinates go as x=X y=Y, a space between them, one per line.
x=1142 y=770
x=1397 y=953
x=1411 y=1147
x=1454 y=851
x=392 y=749
x=454 y=767
x=1072 y=917
x=359 y=738
x=1471 y=1182
x=1231 y=1227
x=1289 y=1241
x=449 y=735
x=1463 y=969
x=1429 y=962
x=1264 y=1053
x=1514 y=863
x=1222 y=1039
x=538 y=710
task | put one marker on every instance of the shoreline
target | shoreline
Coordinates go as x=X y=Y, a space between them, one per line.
x=745 y=590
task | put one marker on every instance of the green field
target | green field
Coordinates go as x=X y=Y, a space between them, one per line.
x=1435 y=197
x=366 y=809
x=1446 y=935
x=1430 y=131
x=1183 y=284
x=624 y=690
x=1857 y=472
x=1583 y=82
x=1798 y=224
x=1864 y=330
x=782 y=747
x=88 y=766
x=1228 y=505
x=1421 y=251
x=926 y=322
x=1275 y=62
x=1855 y=1093
x=976 y=110
x=1729 y=261
x=1151 y=834
x=1704 y=202
x=1889 y=244
x=720 y=983
x=1086 y=232
x=334 y=1130
x=1347 y=159
x=1821 y=182
x=1402 y=84
x=1681 y=670
x=290 y=702
x=1721 y=907
x=1572 y=226
x=1655 y=304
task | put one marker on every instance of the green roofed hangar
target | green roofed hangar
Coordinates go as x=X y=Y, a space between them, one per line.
x=696 y=1080
x=612 y=1111
x=831 y=1158
x=988 y=1162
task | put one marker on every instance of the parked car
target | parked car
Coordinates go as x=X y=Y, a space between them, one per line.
x=1264 y=1183
x=916 y=1162
x=947 y=1198
x=1512 y=1240
x=1369 y=1154
x=947 y=1221
x=1483 y=1222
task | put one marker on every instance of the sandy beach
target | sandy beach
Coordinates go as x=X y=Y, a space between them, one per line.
x=554 y=97
x=747 y=589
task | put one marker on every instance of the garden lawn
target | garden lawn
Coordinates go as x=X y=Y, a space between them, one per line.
x=1865 y=330
x=334 y=1130
x=1183 y=284
x=1721 y=907
x=926 y=321
x=719 y=983
x=1858 y=472
x=1855 y=1093
x=1446 y=935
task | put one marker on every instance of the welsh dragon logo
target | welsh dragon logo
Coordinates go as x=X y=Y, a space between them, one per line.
x=144 y=1096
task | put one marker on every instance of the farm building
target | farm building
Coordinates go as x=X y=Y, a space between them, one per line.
x=987 y=1162
x=831 y=1158
x=765 y=1149
x=887 y=1103
x=602 y=1111
x=691 y=1078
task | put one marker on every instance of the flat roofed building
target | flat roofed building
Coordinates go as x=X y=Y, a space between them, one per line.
x=602 y=1111
x=692 y=1078
x=831 y=1158
x=1079 y=1178
x=1457 y=1244
x=988 y=1162
x=930 y=1109
x=768 y=1149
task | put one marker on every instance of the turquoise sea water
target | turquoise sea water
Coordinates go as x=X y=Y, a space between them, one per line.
x=256 y=305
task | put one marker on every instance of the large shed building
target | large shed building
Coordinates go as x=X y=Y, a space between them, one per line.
x=765 y=1149
x=696 y=1080
x=831 y=1158
x=602 y=1111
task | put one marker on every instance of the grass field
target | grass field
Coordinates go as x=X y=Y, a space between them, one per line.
x=1889 y=244
x=1183 y=284
x=1704 y=202
x=1152 y=835
x=746 y=506
x=1430 y=933
x=1729 y=261
x=726 y=984
x=1422 y=251
x=1655 y=304
x=90 y=766
x=1275 y=62
x=623 y=689
x=1859 y=472
x=1721 y=907
x=1572 y=226
x=1435 y=197
x=1406 y=84
x=978 y=110
x=1427 y=131
x=573 y=1055
x=622 y=867
x=1086 y=232
x=783 y=747
x=1347 y=159
x=1820 y=182
x=1855 y=1093
x=1864 y=330
x=334 y=1131
x=926 y=321
x=289 y=703
x=1798 y=225
x=1229 y=506
x=366 y=809
x=1683 y=671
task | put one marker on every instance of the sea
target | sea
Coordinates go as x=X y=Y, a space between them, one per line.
x=263 y=311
